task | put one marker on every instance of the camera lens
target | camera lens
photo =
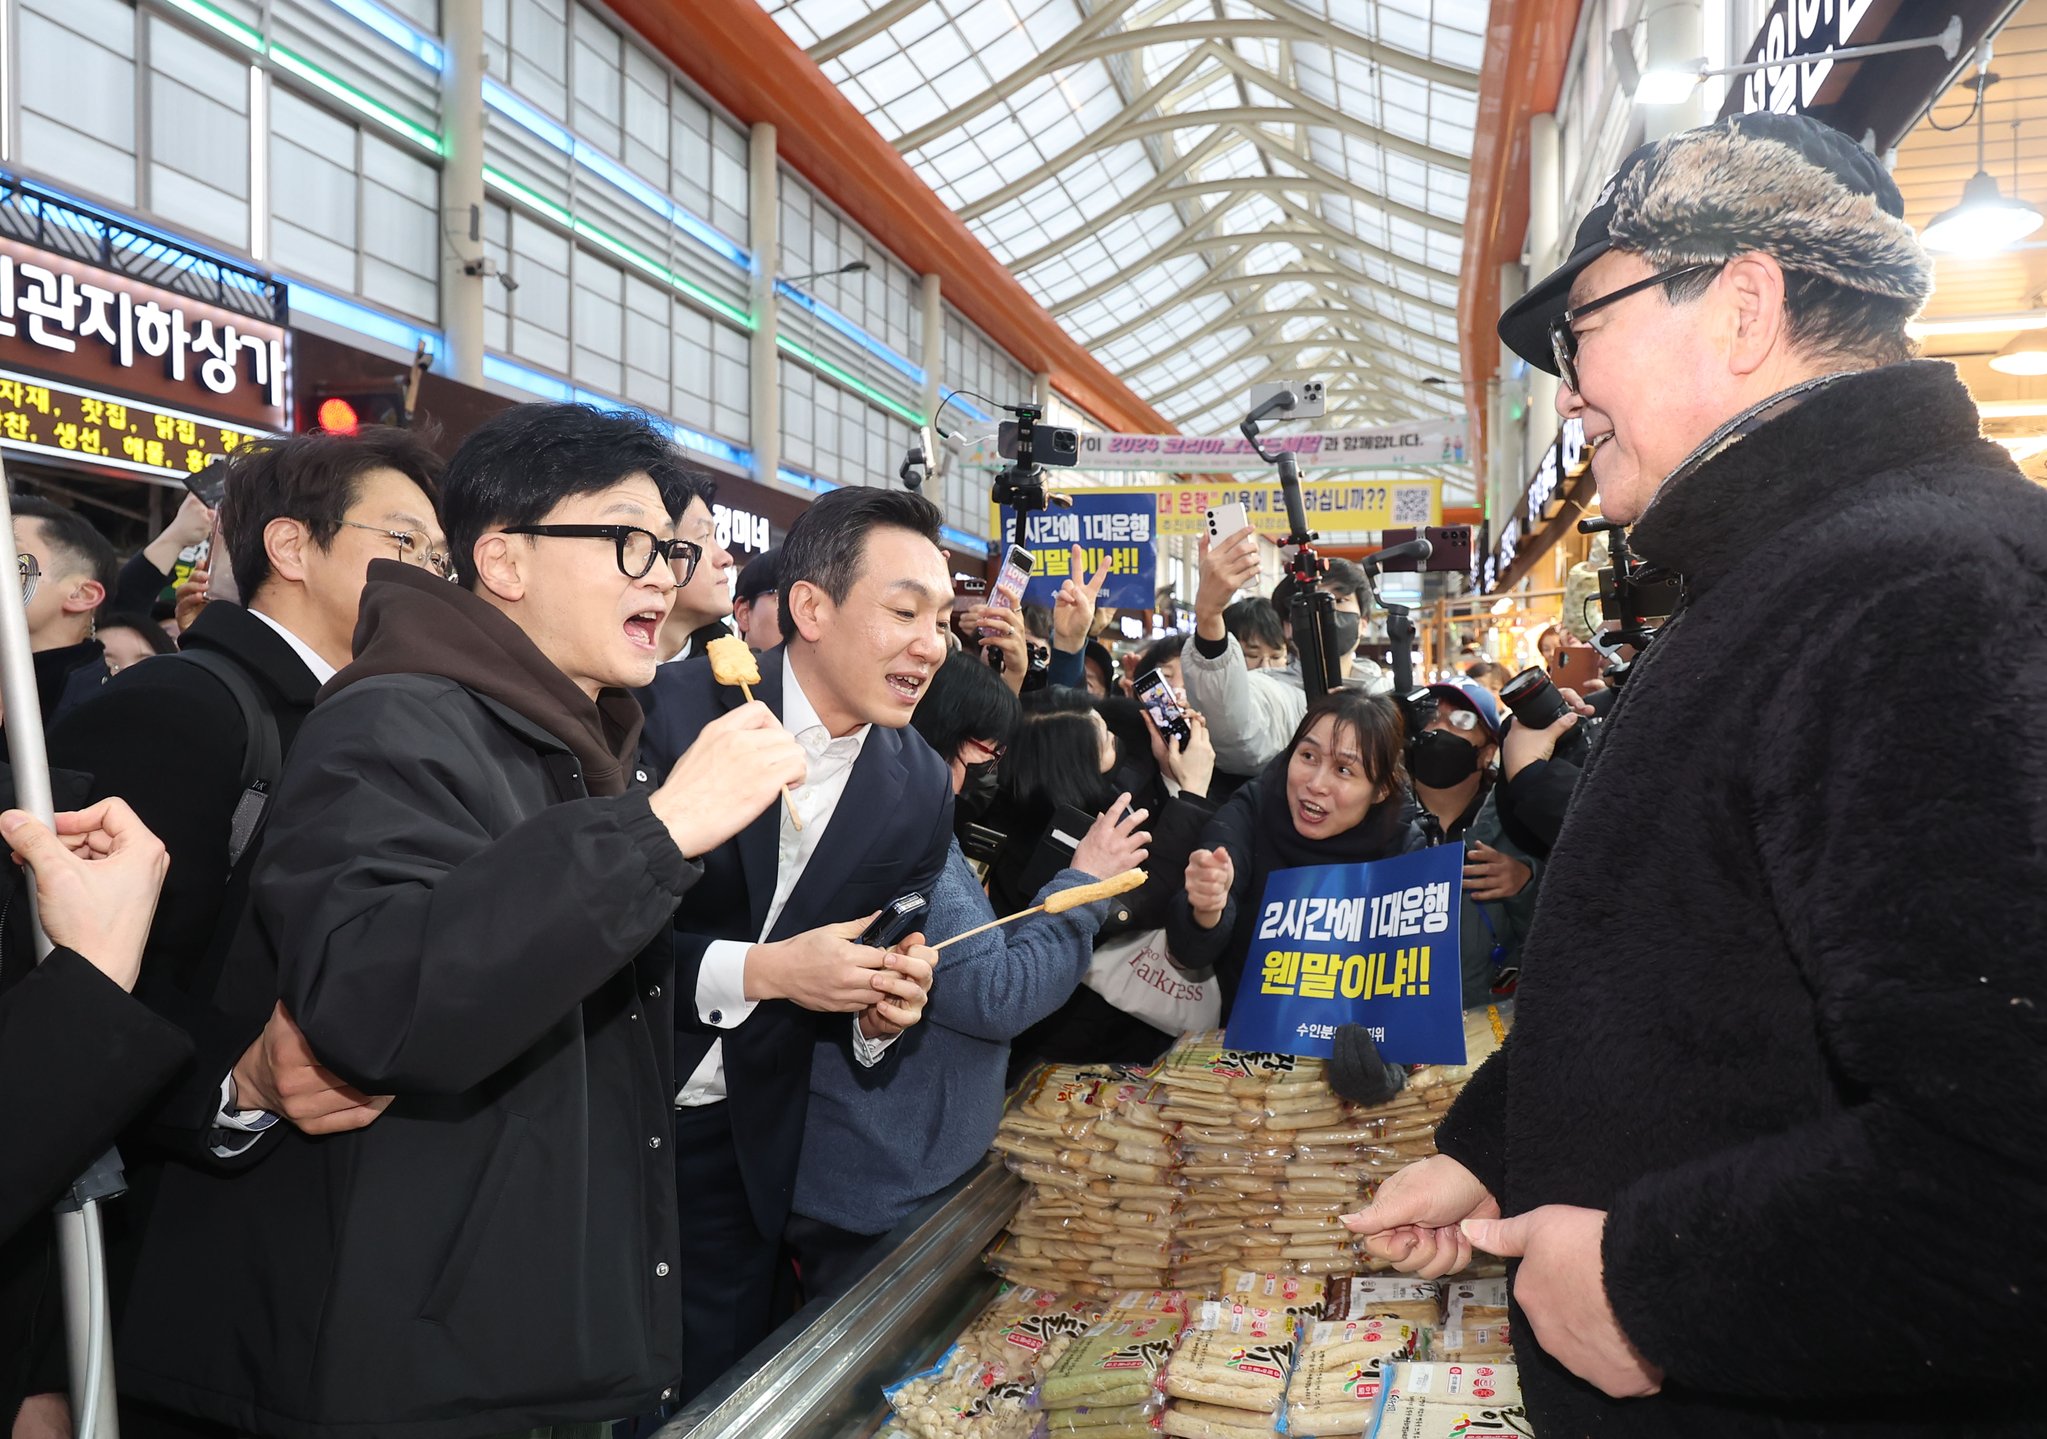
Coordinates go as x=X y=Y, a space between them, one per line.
x=1065 y=442
x=1533 y=699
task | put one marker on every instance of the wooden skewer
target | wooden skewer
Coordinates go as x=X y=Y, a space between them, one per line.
x=788 y=800
x=993 y=924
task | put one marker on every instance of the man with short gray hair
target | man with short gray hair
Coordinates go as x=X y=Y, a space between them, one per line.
x=1770 y=1132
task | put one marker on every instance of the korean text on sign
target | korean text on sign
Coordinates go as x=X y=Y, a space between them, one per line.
x=1369 y=944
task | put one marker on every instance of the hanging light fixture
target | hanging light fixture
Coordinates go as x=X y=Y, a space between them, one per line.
x=2024 y=354
x=1985 y=221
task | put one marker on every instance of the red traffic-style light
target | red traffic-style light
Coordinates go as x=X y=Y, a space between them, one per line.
x=338 y=417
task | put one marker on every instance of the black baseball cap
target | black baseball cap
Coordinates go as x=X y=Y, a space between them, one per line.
x=1704 y=196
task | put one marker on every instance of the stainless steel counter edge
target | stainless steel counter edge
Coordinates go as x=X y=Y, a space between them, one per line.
x=901 y=1312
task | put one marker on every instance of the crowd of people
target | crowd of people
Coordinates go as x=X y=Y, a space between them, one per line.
x=491 y=1001
x=474 y=865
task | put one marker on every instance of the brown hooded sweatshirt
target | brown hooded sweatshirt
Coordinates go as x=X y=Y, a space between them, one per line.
x=415 y=623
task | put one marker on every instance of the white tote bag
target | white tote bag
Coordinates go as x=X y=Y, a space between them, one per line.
x=1133 y=973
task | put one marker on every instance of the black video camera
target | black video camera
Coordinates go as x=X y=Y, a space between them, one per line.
x=1534 y=700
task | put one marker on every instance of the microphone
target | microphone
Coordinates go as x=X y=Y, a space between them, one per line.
x=1412 y=550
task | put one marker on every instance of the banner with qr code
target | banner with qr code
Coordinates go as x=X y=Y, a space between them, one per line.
x=1369 y=944
x=1112 y=527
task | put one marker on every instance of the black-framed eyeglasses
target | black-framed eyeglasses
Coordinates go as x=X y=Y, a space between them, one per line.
x=1563 y=340
x=31 y=574
x=637 y=548
x=414 y=548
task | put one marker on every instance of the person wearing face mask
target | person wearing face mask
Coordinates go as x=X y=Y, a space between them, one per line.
x=1251 y=713
x=873 y=1154
x=1452 y=764
x=1333 y=795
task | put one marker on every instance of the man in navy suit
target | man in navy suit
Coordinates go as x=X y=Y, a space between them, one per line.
x=765 y=958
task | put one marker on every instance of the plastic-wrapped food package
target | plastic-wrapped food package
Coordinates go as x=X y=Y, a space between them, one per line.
x=1114 y=1365
x=1474 y=1321
x=1240 y=1116
x=1378 y=1296
x=980 y=1388
x=1452 y=1401
x=1105 y=1188
x=1337 y=1380
x=1282 y=1293
x=1228 y=1378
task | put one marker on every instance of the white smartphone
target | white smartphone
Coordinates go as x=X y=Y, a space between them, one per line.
x=1226 y=519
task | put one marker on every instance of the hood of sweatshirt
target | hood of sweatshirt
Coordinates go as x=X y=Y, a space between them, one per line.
x=414 y=622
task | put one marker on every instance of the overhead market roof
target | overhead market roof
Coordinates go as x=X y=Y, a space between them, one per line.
x=1207 y=193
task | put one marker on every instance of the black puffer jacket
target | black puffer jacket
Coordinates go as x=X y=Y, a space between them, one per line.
x=1781 y=1011
x=469 y=908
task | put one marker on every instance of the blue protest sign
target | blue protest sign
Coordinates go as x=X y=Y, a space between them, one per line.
x=1121 y=529
x=1370 y=944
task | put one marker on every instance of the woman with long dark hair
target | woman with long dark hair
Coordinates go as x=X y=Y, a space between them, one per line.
x=1075 y=751
x=1337 y=794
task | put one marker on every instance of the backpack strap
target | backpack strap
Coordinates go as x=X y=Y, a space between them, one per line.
x=263 y=752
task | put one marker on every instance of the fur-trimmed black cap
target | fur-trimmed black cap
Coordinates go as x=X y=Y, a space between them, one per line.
x=1786 y=185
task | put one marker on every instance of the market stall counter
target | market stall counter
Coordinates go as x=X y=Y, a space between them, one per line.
x=821 y=1375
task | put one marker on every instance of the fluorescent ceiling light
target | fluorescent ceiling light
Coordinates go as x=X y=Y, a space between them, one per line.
x=1927 y=327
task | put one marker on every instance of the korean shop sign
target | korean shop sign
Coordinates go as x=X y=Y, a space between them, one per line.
x=102 y=332
x=69 y=422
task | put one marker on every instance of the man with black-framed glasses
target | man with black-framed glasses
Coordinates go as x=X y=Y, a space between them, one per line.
x=1779 y=1019
x=466 y=895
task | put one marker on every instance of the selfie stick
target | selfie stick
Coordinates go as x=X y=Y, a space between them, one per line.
x=1313 y=610
x=80 y=1246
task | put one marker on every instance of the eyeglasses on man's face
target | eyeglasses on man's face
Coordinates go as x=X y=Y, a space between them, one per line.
x=31 y=575
x=1563 y=338
x=414 y=548
x=637 y=548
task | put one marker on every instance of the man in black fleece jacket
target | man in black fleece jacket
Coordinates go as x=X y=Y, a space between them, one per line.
x=1770 y=1134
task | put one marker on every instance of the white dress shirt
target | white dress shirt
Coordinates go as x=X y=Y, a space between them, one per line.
x=721 y=978
x=252 y=1122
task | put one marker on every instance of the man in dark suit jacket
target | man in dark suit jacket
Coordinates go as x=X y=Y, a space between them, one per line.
x=301 y=520
x=764 y=952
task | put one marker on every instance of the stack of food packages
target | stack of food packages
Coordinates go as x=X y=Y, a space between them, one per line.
x=982 y=1386
x=1365 y=1323
x=1452 y=1401
x=1106 y=1385
x=1105 y=1192
x=1228 y=1379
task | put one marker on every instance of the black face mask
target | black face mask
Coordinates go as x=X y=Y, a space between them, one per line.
x=1347 y=627
x=1439 y=760
x=979 y=791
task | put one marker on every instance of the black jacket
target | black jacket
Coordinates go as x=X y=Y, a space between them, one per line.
x=454 y=921
x=889 y=836
x=1781 y=1013
x=168 y=738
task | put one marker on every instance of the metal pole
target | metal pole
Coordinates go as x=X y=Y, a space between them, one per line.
x=81 y=1249
x=764 y=361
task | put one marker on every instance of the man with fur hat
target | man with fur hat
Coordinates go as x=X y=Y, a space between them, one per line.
x=1768 y=1143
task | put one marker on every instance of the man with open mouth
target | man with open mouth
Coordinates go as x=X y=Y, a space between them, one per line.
x=465 y=899
x=765 y=958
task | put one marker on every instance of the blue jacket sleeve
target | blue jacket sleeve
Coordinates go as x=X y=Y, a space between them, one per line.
x=997 y=985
